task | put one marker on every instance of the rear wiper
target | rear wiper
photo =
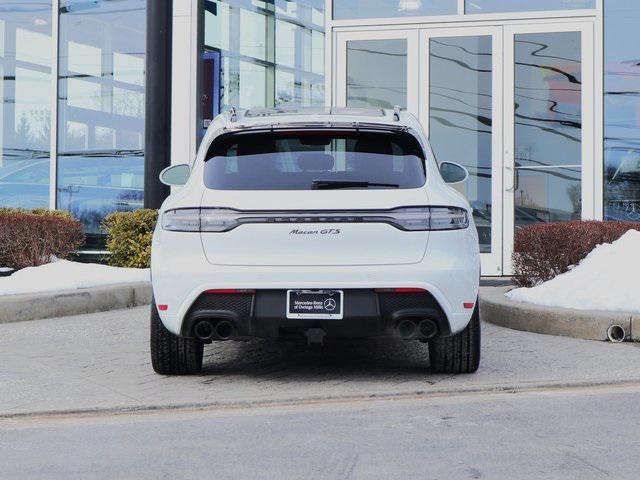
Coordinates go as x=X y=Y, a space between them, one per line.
x=335 y=184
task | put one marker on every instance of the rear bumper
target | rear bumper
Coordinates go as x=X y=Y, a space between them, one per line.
x=449 y=271
x=367 y=313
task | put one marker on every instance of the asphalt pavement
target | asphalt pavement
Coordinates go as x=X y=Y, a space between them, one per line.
x=79 y=400
x=589 y=433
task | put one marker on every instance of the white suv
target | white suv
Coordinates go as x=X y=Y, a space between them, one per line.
x=315 y=225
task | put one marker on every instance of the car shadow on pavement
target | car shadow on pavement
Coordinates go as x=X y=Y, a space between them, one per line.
x=338 y=358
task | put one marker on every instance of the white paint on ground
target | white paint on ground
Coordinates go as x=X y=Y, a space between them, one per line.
x=66 y=275
x=607 y=279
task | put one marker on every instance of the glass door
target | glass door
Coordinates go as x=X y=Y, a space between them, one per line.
x=514 y=104
x=461 y=109
x=549 y=126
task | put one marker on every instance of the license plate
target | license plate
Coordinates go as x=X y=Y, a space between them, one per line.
x=315 y=304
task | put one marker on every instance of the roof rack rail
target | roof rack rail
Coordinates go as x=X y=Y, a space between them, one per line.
x=396 y=113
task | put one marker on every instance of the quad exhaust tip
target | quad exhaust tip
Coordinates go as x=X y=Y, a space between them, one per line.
x=427 y=328
x=207 y=331
x=225 y=330
x=407 y=328
x=423 y=329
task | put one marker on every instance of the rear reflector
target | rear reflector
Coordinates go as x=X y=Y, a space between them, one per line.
x=223 y=291
x=400 y=290
x=468 y=305
x=163 y=308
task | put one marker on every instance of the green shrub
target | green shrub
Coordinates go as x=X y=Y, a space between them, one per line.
x=543 y=251
x=38 y=211
x=129 y=237
x=29 y=238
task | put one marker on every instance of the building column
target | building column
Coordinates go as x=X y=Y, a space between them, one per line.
x=158 y=100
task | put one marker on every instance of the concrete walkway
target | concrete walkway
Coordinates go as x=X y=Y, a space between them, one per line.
x=101 y=361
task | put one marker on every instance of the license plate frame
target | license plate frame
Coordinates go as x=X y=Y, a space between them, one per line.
x=304 y=305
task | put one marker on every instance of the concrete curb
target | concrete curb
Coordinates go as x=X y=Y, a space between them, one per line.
x=20 y=308
x=506 y=389
x=586 y=324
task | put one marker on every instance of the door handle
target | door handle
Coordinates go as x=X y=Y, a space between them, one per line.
x=513 y=180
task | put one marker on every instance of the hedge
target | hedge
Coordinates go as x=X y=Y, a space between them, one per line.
x=29 y=238
x=129 y=237
x=38 y=211
x=543 y=251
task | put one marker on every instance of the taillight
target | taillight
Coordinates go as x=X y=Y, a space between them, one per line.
x=225 y=219
x=182 y=220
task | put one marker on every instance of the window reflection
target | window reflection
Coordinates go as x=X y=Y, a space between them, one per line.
x=497 y=6
x=548 y=131
x=25 y=110
x=460 y=118
x=268 y=53
x=377 y=73
x=622 y=111
x=349 y=9
x=101 y=108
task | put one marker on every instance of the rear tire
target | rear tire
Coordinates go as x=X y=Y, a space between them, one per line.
x=171 y=354
x=459 y=353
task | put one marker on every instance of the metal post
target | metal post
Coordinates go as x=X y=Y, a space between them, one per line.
x=158 y=100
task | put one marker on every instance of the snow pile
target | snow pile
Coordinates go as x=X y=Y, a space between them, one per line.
x=65 y=275
x=607 y=279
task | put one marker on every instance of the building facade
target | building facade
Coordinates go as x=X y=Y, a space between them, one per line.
x=72 y=113
x=540 y=100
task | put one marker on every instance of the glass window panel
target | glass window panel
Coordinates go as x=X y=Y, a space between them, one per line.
x=84 y=94
x=286 y=40
x=317 y=52
x=105 y=137
x=348 y=9
x=377 y=73
x=32 y=96
x=306 y=11
x=317 y=93
x=25 y=103
x=84 y=59
x=128 y=102
x=217 y=26
x=285 y=88
x=622 y=111
x=77 y=136
x=317 y=15
x=548 y=130
x=253 y=40
x=253 y=91
x=497 y=6
x=460 y=118
x=286 y=8
x=33 y=47
x=128 y=69
x=286 y=43
x=101 y=116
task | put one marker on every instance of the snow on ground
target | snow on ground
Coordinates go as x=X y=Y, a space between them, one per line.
x=607 y=279
x=65 y=275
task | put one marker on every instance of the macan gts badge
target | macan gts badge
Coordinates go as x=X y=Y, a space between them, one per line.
x=315 y=225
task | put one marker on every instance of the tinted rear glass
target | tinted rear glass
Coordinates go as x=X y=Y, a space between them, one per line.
x=302 y=160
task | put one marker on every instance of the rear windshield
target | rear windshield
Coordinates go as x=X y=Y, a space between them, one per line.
x=314 y=160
